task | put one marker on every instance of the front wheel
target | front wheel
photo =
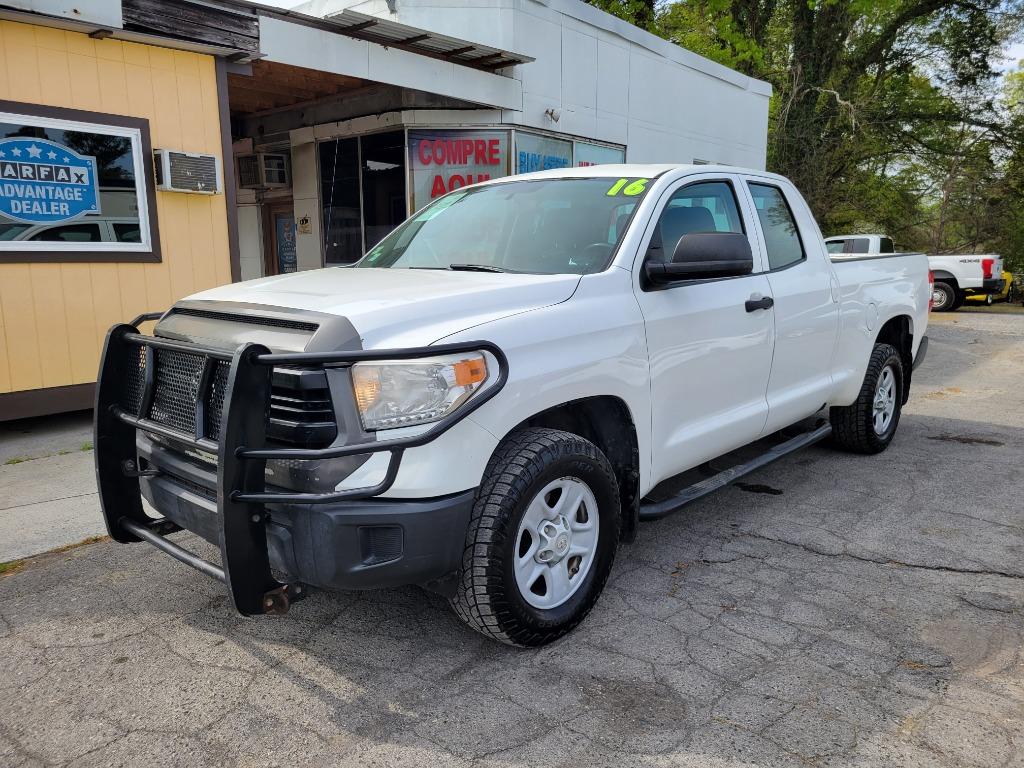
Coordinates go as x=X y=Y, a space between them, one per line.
x=541 y=540
x=869 y=424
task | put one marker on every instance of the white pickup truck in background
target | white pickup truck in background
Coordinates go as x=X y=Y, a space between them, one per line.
x=955 y=276
x=859 y=244
x=502 y=389
x=959 y=276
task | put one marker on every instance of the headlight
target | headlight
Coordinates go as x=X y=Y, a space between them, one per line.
x=402 y=393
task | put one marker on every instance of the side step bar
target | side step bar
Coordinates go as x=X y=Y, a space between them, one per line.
x=659 y=509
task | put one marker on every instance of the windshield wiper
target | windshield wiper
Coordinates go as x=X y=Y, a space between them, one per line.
x=475 y=268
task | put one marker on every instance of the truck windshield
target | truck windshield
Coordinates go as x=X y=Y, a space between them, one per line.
x=549 y=226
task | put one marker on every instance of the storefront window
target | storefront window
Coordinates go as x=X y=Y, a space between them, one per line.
x=442 y=161
x=70 y=188
x=383 y=164
x=339 y=195
x=597 y=154
x=539 y=153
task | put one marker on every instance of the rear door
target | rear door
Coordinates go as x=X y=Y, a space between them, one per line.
x=709 y=357
x=806 y=310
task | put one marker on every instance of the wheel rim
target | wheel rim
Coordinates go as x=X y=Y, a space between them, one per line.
x=885 y=400
x=938 y=299
x=556 y=543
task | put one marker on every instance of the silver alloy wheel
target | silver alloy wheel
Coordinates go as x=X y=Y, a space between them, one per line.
x=938 y=299
x=556 y=543
x=885 y=400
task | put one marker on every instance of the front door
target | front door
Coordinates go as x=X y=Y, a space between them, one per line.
x=279 y=246
x=710 y=358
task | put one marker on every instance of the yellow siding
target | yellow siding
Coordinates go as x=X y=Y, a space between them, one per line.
x=53 y=316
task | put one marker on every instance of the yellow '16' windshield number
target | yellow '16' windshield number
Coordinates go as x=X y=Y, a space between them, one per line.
x=627 y=187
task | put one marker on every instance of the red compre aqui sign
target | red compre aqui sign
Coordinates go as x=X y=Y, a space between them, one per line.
x=443 y=161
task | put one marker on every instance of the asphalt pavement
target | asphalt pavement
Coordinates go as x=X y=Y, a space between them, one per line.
x=833 y=610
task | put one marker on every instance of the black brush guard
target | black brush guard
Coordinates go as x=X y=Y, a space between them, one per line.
x=242 y=451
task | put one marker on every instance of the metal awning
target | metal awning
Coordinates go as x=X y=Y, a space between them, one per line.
x=391 y=33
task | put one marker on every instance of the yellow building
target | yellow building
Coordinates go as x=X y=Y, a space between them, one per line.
x=65 y=276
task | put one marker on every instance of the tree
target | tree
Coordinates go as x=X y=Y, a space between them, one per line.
x=885 y=113
x=639 y=13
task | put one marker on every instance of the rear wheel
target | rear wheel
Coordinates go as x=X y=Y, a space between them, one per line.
x=988 y=300
x=943 y=297
x=542 y=538
x=869 y=424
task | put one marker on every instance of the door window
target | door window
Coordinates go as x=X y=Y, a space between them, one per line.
x=126 y=233
x=70 y=233
x=707 y=206
x=781 y=237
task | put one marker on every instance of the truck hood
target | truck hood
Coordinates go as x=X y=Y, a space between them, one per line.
x=401 y=307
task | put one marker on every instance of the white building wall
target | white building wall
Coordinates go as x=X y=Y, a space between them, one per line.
x=306 y=198
x=606 y=79
x=250 y=241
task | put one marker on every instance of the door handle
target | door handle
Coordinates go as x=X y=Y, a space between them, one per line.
x=765 y=302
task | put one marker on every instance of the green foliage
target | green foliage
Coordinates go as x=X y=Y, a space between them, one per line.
x=637 y=12
x=888 y=114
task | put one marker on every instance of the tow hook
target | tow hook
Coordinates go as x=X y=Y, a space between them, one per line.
x=277 y=601
x=130 y=469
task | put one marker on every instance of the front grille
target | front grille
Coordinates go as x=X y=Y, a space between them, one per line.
x=215 y=399
x=134 y=381
x=301 y=412
x=178 y=375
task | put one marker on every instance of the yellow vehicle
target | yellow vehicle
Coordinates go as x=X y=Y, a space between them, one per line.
x=991 y=298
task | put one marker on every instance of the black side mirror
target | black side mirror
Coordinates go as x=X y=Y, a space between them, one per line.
x=704 y=255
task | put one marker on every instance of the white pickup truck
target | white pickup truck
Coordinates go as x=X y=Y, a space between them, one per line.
x=496 y=394
x=955 y=277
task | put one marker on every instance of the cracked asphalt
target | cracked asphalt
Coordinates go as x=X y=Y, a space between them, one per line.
x=834 y=610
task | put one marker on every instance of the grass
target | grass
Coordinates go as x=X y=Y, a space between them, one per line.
x=999 y=308
x=83 y=448
x=11 y=567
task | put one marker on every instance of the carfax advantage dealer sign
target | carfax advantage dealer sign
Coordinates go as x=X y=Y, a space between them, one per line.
x=42 y=182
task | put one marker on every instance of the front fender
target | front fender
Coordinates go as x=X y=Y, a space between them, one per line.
x=591 y=345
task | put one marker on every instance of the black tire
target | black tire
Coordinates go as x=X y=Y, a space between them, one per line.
x=853 y=427
x=988 y=300
x=488 y=598
x=959 y=301
x=945 y=297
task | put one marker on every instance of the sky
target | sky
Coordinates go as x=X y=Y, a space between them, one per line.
x=1013 y=55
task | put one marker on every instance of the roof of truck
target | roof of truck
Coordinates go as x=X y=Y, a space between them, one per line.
x=628 y=170
x=859 y=234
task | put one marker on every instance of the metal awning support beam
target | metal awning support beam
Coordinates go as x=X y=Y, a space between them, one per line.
x=319 y=49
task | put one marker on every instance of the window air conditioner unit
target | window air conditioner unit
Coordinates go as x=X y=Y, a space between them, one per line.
x=187 y=172
x=263 y=170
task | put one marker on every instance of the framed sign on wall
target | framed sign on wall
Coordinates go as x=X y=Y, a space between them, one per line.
x=75 y=186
